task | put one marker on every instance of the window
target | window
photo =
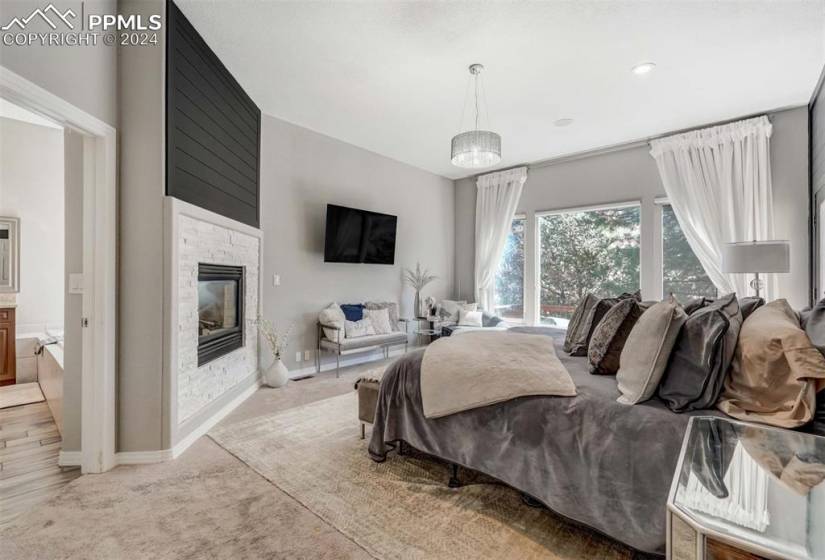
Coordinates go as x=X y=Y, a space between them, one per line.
x=510 y=275
x=586 y=251
x=682 y=273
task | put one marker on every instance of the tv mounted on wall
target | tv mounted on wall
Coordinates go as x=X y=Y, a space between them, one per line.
x=359 y=236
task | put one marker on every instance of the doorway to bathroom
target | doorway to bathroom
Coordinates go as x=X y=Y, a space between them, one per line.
x=88 y=281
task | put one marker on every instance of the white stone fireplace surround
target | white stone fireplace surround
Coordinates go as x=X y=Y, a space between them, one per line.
x=198 y=397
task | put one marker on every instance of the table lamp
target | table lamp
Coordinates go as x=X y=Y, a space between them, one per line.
x=755 y=257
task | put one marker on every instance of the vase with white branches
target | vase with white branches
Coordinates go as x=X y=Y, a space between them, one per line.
x=276 y=375
x=417 y=279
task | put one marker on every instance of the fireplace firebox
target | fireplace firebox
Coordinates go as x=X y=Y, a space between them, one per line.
x=220 y=310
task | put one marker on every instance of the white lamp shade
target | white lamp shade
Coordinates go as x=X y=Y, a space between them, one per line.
x=756 y=256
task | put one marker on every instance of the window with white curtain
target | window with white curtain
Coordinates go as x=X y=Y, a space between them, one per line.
x=593 y=250
x=682 y=273
x=509 y=291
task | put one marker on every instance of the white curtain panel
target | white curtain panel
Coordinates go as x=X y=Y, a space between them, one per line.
x=718 y=181
x=498 y=196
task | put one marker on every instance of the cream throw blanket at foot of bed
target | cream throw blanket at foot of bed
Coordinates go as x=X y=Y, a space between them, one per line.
x=478 y=368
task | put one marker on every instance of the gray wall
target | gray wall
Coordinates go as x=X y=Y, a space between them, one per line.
x=141 y=404
x=631 y=174
x=302 y=171
x=84 y=76
x=73 y=305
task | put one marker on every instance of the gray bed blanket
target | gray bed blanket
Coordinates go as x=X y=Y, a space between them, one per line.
x=600 y=463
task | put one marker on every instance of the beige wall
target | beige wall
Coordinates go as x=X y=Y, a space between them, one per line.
x=73 y=308
x=140 y=393
x=31 y=188
x=301 y=172
x=85 y=76
x=631 y=174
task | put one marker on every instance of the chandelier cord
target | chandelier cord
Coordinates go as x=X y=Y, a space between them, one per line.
x=476 y=88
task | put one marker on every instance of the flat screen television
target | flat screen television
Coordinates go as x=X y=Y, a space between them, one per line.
x=359 y=236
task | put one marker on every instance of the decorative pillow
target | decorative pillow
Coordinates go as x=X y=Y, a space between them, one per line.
x=470 y=318
x=776 y=371
x=333 y=316
x=585 y=319
x=391 y=306
x=610 y=336
x=380 y=319
x=356 y=329
x=488 y=320
x=575 y=327
x=695 y=304
x=700 y=361
x=645 y=354
x=750 y=304
x=449 y=309
x=814 y=325
x=469 y=306
x=353 y=311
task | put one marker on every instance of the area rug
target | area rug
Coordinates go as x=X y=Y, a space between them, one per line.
x=401 y=508
x=20 y=394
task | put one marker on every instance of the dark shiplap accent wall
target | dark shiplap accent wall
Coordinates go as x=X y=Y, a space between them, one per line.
x=213 y=129
x=816 y=122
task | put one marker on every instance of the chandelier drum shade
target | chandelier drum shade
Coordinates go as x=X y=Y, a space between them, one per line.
x=475 y=149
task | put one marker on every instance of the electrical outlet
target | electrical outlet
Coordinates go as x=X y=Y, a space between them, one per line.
x=298 y=356
x=307 y=355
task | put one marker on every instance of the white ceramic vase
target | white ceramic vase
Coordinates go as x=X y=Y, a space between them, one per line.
x=276 y=375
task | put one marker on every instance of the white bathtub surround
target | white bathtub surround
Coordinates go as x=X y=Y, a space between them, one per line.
x=25 y=360
x=197 y=395
x=50 y=377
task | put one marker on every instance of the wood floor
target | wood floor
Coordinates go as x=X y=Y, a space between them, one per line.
x=29 y=447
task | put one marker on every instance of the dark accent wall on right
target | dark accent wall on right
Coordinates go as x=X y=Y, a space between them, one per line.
x=213 y=128
x=816 y=123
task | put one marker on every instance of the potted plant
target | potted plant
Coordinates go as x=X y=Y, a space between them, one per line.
x=418 y=278
x=276 y=375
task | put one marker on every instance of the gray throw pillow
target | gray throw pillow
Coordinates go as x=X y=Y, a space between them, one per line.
x=646 y=352
x=610 y=336
x=750 y=304
x=575 y=325
x=695 y=304
x=700 y=361
x=488 y=320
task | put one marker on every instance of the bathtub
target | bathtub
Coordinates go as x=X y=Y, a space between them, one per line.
x=45 y=368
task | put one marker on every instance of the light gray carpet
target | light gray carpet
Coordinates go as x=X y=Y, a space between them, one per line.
x=401 y=508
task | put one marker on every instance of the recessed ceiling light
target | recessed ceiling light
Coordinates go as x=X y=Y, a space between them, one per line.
x=643 y=68
x=563 y=122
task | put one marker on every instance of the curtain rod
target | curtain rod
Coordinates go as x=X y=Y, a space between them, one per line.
x=631 y=143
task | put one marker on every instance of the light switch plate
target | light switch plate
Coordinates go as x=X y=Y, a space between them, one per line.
x=298 y=356
x=276 y=279
x=76 y=283
x=306 y=355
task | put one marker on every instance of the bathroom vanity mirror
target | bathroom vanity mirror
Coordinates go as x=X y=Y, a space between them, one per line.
x=9 y=254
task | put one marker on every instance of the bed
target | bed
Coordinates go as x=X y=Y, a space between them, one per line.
x=599 y=463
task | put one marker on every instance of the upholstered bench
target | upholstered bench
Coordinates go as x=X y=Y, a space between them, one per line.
x=367 y=386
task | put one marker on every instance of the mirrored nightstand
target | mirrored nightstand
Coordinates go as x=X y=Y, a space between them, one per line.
x=746 y=491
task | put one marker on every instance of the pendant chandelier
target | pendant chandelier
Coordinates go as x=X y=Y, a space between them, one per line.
x=475 y=148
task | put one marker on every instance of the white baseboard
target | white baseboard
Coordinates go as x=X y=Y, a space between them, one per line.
x=73 y=458
x=69 y=458
x=219 y=415
x=350 y=360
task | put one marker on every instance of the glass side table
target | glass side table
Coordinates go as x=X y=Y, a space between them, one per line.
x=746 y=491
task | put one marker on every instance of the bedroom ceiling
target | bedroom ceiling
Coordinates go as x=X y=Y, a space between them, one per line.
x=391 y=77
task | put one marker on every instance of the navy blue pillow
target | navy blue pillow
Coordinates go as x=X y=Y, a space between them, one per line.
x=353 y=311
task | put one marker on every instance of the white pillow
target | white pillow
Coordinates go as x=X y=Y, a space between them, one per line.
x=380 y=319
x=469 y=306
x=451 y=309
x=469 y=318
x=355 y=329
x=333 y=316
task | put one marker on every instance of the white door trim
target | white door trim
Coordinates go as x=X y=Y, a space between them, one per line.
x=99 y=263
